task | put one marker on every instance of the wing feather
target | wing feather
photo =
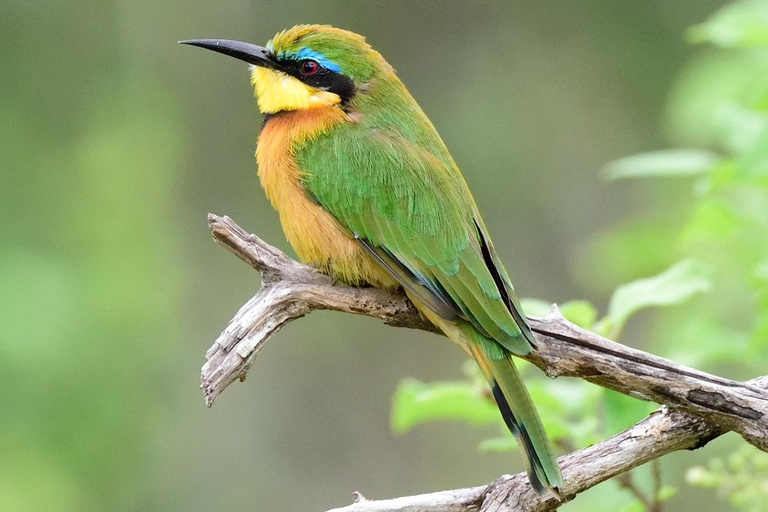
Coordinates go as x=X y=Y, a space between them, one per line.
x=413 y=213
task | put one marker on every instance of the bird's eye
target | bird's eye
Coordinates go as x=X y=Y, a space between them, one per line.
x=308 y=67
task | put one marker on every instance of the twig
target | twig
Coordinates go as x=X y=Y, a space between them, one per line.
x=658 y=502
x=707 y=405
x=627 y=482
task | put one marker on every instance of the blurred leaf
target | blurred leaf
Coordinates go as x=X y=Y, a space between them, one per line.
x=635 y=247
x=673 y=286
x=741 y=478
x=666 y=492
x=761 y=271
x=754 y=162
x=580 y=312
x=700 y=477
x=574 y=396
x=568 y=409
x=718 y=99
x=740 y=128
x=622 y=411
x=703 y=342
x=583 y=432
x=546 y=397
x=551 y=409
x=635 y=506
x=739 y=24
x=760 y=283
x=666 y=163
x=710 y=221
x=417 y=402
x=536 y=307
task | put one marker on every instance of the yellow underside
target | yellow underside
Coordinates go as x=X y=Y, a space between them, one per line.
x=314 y=234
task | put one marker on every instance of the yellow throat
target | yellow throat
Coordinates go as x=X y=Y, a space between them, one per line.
x=276 y=91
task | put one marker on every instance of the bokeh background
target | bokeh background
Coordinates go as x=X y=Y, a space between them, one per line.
x=116 y=142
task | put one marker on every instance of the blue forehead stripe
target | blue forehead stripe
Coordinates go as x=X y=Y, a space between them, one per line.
x=306 y=53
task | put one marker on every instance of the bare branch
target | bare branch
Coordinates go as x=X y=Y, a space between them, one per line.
x=291 y=290
x=662 y=432
x=705 y=405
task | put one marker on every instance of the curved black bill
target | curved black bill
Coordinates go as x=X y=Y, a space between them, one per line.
x=250 y=53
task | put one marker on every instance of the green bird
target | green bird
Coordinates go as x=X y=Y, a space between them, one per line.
x=368 y=193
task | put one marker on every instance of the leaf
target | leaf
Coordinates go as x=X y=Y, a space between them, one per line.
x=741 y=24
x=703 y=341
x=580 y=312
x=535 y=307
x=665 y=163
x=701 y=477
x=568 y=409
x=711 y=220
x=585 y=432
x=635 y=506
x=416 y=402
x=673 y=286
x=741 y=129
x=622 y=411
x=666 y=492
x=754 y=162
x=603 y=327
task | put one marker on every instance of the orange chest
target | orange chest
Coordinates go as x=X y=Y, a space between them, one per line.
x=312 y=232
x=281 y=178
x=281 y=134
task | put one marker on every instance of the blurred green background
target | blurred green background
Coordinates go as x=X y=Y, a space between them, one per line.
x=116 y=142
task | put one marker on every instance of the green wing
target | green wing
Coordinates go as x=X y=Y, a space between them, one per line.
x=413 y=211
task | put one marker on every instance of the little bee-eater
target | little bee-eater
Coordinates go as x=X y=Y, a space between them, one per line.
x=368 y=193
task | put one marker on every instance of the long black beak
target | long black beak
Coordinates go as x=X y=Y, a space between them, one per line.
x=250 y=53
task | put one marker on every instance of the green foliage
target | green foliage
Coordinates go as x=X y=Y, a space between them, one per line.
x=673 y=286
x=742 y=24
x=741 y=478
x=580 y=312
x=674 y=162
x=416 y=402
x=711 y=307
x=569 y=408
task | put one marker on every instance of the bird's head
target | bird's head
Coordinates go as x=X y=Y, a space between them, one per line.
x=305 y=67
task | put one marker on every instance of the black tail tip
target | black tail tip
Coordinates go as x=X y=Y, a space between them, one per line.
x=542 y=490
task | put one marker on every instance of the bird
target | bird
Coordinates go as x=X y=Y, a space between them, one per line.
x=368 y=193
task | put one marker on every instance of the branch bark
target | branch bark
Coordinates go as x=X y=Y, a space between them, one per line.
x=705 y=405
x=662 y=432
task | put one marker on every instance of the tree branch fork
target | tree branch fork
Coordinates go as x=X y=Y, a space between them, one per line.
x=697 y=406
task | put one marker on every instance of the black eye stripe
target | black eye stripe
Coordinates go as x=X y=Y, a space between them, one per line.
x=321 y=77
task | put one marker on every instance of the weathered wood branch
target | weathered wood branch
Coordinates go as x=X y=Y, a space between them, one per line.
x=705 y=405
x=662 y=432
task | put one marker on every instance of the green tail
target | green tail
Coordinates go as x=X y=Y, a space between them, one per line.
x=518 y=411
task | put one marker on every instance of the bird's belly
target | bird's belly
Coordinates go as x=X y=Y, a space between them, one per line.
x=313 y=233
x=318 y=240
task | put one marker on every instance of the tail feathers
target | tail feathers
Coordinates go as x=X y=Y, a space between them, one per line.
x=513 y=400
x=521 y=418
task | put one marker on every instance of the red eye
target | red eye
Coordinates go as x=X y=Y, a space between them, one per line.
x=309 y=67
